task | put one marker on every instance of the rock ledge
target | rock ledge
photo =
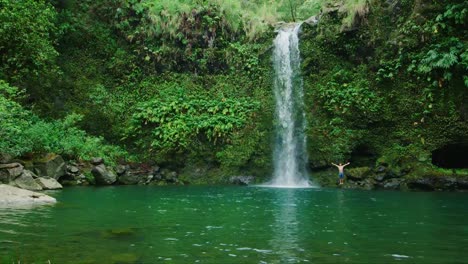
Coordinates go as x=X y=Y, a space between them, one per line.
x=12 y=196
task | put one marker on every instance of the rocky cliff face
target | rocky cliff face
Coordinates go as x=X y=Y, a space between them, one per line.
x=378 y=95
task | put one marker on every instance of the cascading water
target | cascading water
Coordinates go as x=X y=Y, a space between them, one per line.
x=290 y=156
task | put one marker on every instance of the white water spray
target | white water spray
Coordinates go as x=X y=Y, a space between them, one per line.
x=290 y=156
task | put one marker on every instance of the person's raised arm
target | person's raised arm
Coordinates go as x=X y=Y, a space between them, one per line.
x=347 y=164
x=334 y=164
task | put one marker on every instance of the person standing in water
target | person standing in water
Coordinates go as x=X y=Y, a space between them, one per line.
x=341 y=170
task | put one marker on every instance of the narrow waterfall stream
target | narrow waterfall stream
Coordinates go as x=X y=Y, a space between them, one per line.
x=290 y=156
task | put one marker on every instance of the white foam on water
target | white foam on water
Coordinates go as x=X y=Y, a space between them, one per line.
x=399 y=256
x=244 y=248
x=264 y=251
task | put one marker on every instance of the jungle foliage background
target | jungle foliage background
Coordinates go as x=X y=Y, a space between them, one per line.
x=188 y=83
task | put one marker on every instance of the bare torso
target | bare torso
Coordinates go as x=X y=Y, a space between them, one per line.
x=340 y=166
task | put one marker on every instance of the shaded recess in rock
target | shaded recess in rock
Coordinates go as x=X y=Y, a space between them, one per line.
x=451 y=156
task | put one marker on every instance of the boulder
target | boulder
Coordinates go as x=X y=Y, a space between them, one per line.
x=125 y=258
x=26 y=181
x=149 y=178
x=48 y=183
x=448 y=183
x=121 y=169
x=103 y=176
x=129 y=178
x=65 y=182
x=366 y=184
x=8 y=172
x=5 y=158
x=73 y=173
x=426 y=184
x=380 y=177
x=431 y=183
x=241 y=180
x=380 y=169
x=73 y=177
x=158 y=177
x=313 y=20
x=462 y=184
x=171 y=177
x=73 y=169
x=392 y=184
x=13 y=196
x=97 y=161
x=74 y=180
x=52 y=166
x=358 y=174
x=165 y=173
x=155 y=169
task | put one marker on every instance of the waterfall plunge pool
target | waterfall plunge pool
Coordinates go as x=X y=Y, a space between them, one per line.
x=195 y=224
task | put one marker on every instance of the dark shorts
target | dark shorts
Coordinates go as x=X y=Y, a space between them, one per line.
x=341 y=175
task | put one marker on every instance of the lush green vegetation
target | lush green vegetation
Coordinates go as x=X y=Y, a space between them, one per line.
x=189 y=82
x=173 y=124
x=391 y=86
x=24 y=132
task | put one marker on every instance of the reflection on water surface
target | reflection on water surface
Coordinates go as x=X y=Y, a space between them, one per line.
x=237 y=225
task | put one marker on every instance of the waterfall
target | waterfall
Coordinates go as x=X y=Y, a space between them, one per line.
x=290 y=155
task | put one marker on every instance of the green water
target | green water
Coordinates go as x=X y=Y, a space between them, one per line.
x=237 y=225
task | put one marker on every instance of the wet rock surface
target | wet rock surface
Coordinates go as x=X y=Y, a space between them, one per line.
x=11 y=196
x=97 y=161
x=241 y=180
x=52 y=166
x=10 y=171
x=382 y=177
x=27 y=181
x=103 y=176
x=74 y=175
x=48 y=183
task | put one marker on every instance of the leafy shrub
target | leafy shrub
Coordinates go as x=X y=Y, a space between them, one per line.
x=23 y=132
x=63 y=137
x=166 y=17
x=173 y=123
x=444 y=59
x=26 y=39
x=397 y=155
x=13 y=120
x=347 y=93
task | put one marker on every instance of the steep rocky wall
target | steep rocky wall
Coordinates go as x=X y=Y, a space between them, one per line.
x=376 y=97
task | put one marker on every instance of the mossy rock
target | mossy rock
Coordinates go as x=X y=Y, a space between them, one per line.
x=359 y=173
x=124 y=258
x=119 y=233
x=45 y=157
x=158 y=183
x=50 y=165
x=69 y=183
x=89 y=176
x=325 y=177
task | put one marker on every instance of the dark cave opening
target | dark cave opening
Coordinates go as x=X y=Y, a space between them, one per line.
x=452 y=156
x=362 y=156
